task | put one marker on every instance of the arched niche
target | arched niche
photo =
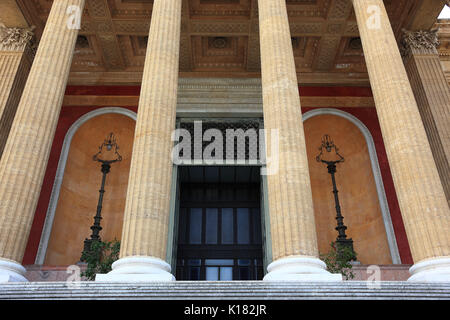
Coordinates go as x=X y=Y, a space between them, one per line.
x=361 y=192
x=76 y=189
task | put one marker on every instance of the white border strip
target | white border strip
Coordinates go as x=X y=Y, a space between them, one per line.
x=48 y=224
x=395 y=255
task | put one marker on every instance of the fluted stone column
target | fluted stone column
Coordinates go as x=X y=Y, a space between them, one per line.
x=146 y=220
x=25 y=156
x=292 y=225
x=420 y=193
x=432 y=92
x=16 y=56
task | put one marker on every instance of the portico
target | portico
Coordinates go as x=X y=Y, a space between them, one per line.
x=417 y=171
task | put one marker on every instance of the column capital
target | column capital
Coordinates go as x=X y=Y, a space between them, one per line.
x=16 y=39
x=419 y=42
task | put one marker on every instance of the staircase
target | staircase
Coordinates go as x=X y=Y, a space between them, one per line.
x=235 y=290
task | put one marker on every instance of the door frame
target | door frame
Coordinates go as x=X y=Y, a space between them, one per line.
x=172 y=241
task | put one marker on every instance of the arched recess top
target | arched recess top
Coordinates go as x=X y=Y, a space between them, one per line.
x=46 y=231
x=395 y=255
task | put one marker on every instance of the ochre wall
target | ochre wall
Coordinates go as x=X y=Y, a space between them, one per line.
x=79 y=191
x=71 y=114
x=357 y=190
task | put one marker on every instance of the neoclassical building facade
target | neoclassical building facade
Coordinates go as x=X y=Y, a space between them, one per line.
x=371 y=75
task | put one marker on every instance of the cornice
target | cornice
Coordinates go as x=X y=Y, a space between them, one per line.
x=219 y=83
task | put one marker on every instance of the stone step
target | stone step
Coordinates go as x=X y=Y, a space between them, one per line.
x=233 y=290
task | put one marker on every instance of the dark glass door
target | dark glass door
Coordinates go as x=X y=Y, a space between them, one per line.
x=219 y=224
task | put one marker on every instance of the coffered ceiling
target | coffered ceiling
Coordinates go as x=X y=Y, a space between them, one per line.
x=443 y=27
x=219 y=38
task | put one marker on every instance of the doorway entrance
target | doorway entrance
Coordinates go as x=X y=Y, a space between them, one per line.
x=220 y=225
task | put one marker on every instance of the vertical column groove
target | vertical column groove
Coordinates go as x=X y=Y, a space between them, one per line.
x=290 y=198
x=15 y=64
x=432 y=94
x=26 y=152
x=148 y=197
x=421 y=197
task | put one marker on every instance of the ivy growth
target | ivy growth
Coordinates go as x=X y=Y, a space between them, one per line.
x=338 y=260
x=100 y=258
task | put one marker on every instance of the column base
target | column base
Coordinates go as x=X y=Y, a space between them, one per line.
x=431 y=270
x=298 y=268
x=11 y=271
x=138 y=269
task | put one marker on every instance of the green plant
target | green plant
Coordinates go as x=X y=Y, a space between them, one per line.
x=339 y=261
x=100 y=258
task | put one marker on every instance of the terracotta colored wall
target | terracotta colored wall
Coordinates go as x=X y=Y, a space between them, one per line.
x=357 y=190
x=79 y=191
x=71 y=114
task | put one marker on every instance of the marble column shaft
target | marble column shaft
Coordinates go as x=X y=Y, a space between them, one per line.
x=292 y=222
x=420 y=194
x=146 y=219
x=16 y=57
x=432 y=94
x=26 y=153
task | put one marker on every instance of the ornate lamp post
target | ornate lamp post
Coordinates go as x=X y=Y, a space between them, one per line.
x=107 y=150
x=329 y=150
